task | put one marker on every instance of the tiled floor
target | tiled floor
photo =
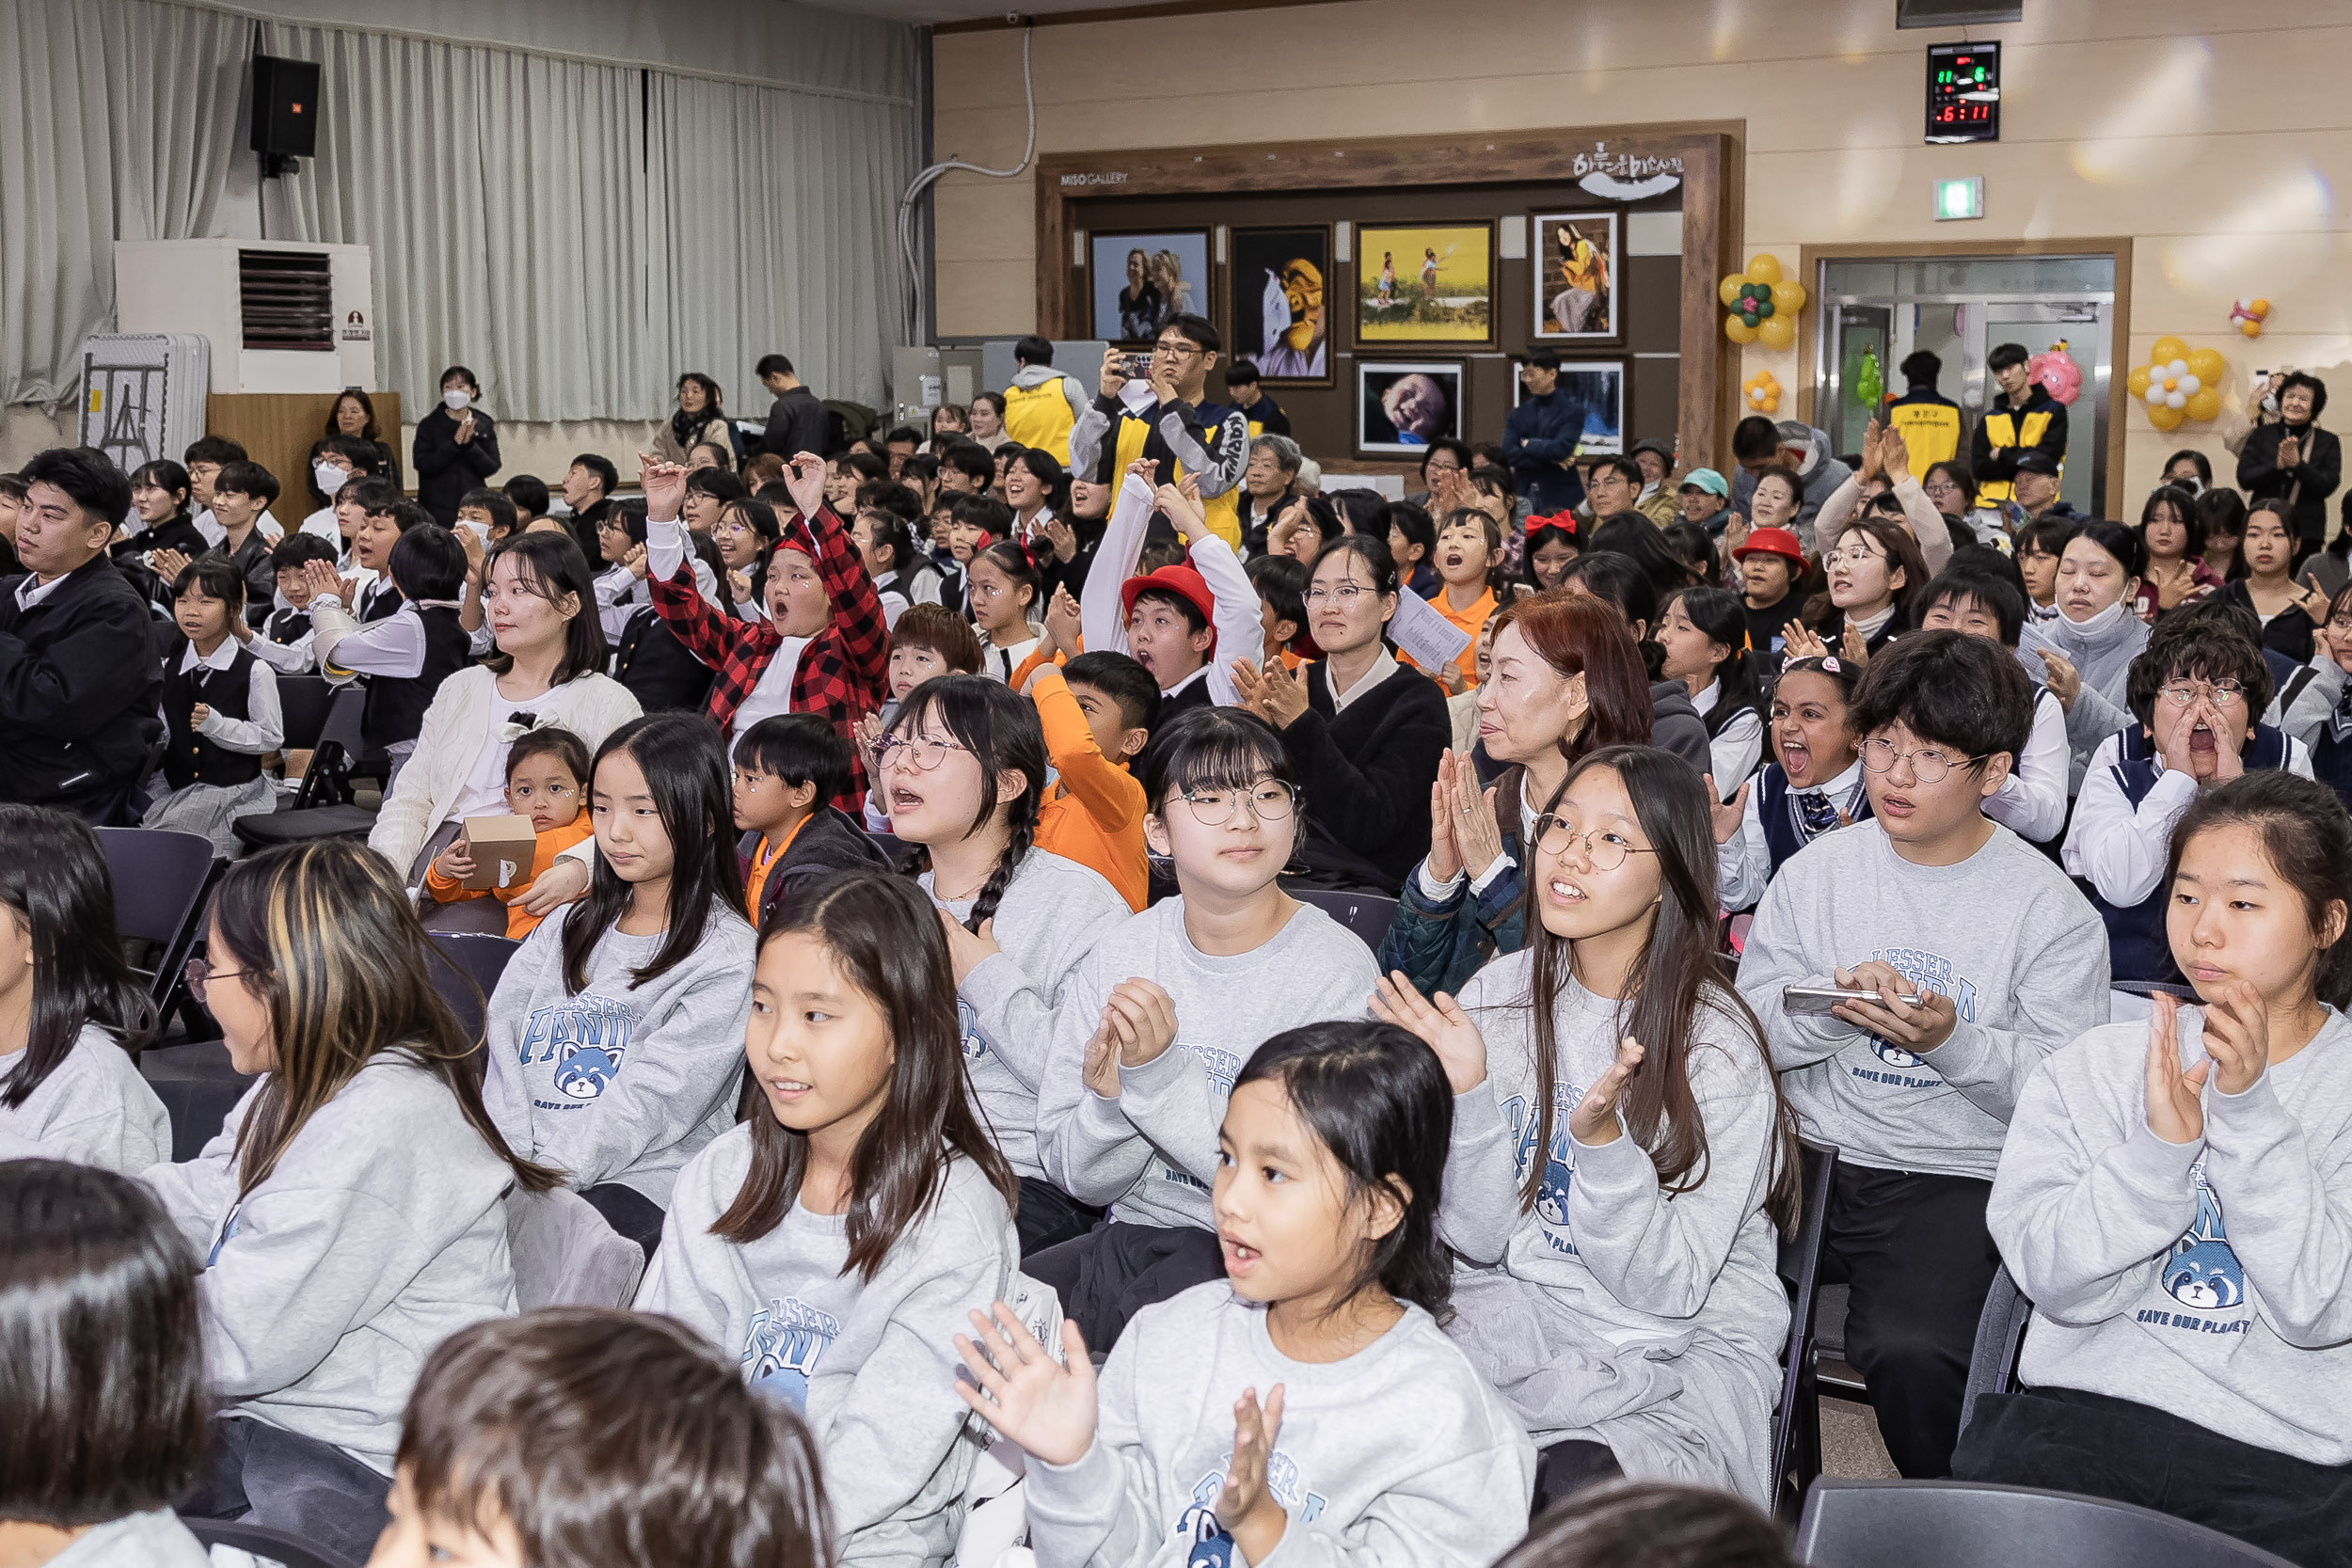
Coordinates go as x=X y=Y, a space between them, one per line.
x=1849 y=1443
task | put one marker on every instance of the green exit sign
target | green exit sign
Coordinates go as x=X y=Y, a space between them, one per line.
x=1958 y=198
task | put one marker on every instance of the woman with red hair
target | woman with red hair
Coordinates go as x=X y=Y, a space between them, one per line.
x=1564 y=680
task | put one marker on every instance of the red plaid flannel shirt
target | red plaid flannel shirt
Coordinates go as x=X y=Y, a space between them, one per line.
x=843 y=672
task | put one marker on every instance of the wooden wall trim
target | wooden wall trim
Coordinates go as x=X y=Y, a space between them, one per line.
x=1712 y=177
x=1117 y=13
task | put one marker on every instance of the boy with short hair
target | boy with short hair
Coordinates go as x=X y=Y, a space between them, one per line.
x=1099 y=711
x=1915 y=1087
x=282 y=640
x=788 y=769
x=242 y=494
x=204 y=459
x=1175 y=619
x=1978 y=599
x=547 y=780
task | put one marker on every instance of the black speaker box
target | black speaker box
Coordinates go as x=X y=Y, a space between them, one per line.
x=285 y=106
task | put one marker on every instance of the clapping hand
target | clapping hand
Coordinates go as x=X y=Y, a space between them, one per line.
x=169 y=564
x=1064 y=539
x=1853 y=647
x=2177 y=1111
x=1441 y=1023
x=1594 y=1122
x=1726 y=816
x=1046 y=1406
x=665 y=484
x=1063 y=625
x=1799 y=640
x=319 y=577
x=1274 y=694
x=1247 y=1507
x=2237 y=1037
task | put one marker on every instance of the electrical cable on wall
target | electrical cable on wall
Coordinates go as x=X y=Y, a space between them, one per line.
x=924 y=179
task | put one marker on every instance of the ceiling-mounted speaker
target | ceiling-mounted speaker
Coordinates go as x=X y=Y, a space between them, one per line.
x=285 y=111
x=1956 y=13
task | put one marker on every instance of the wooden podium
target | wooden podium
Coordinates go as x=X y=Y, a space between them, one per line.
x=277 y=430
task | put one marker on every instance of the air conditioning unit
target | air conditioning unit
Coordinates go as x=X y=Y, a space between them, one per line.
x=280 y=315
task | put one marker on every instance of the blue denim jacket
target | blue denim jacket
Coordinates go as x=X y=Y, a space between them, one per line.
x=1439 y=944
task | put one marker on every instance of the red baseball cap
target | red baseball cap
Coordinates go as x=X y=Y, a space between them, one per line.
x=1181 y=580
x=1772 y=541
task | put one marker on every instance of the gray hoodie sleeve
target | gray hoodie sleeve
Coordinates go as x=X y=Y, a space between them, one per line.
x=196 y=1192
x=1170 y=1101
x=1098 y=1512
x=1775 y=958
x=2060 y=994
x=1086 y=439
x=1478 y=1210
x=505 y=1020
x=2086 y=1206
x=2290 y=1207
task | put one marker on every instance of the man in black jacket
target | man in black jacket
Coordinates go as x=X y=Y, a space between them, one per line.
x=2025 y=418
x=79 y=678
x=796 y=421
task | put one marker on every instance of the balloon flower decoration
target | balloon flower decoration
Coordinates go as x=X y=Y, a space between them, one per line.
x=2055 y=369
x=1763 y=305
x=1869 y=381
x=1762 y=393
x=2250 y=314
x=2179 y=383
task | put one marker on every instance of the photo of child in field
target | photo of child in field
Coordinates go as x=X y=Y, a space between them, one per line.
x=1425 y=285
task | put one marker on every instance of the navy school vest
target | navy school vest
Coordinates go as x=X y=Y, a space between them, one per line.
x=2138 y=948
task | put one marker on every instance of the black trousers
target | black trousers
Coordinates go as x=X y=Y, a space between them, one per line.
x=2066 y=1440
x=265 y=1475
x=1049 y=1216
x=628 y=1212
x=1107 y=1275
x=1913 y=1250
x=1567 y=1467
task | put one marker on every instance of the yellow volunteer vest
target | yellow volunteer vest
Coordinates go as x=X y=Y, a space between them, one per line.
x=1931 y=430
x=1040 y=416
x=1224 y=510
x=2002 y=430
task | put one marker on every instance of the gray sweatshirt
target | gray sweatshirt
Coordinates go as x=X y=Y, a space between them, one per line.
x=2003 y=933
x=872 y=1365
x=93 y=1109
x=1399 y=1456
x=381 y=1233
x=2210 y=1279
x=154 y=1540
x=615 y=1083
x=1053 y=911
x=1151 y=1152
x=1678 y=1296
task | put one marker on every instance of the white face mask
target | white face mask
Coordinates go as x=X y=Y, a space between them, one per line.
x=329 y=478
x=2100 y=622
x=455 y=399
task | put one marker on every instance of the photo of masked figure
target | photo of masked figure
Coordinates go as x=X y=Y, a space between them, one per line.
x=1280 y=320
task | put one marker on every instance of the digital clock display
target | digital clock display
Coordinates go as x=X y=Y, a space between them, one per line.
x=1963 y=92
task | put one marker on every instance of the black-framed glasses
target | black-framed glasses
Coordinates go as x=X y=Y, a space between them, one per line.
x=1268 y=800
x=1928 y=764
x=923 y=755
x=1175 y=348
x=1605 y=848
x=200 y=973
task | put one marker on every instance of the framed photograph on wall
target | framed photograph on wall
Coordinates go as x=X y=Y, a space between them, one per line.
x=1430 y=283
x=1402 y=408
x=1139 y=280
x=1576 y=276
x=1599 y=386
x=1280 y=321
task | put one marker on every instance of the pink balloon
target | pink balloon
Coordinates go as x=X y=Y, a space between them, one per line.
x=2058 y=375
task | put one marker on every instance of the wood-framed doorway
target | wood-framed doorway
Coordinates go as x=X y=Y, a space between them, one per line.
x=1713 y=165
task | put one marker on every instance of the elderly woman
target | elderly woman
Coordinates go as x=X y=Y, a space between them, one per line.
x=1267 y=485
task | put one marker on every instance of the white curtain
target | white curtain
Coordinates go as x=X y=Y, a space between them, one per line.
x=119 y=121
x=775 y=213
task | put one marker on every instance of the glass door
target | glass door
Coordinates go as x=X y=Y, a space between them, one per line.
x=1960 y=309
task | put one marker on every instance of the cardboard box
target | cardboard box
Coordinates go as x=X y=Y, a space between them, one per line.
x=501 y=848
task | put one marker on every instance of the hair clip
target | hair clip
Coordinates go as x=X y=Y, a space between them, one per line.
x=1829 y=662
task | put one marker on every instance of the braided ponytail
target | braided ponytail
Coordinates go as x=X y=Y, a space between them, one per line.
x=1022 y=836
x=1001 y=729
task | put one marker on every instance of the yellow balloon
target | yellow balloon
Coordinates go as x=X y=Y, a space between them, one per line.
x=1728 y=289
x=2137 y=382
x=2204 y=405
x=1788 y=298
x=2262 y=307
x=2252 y=329
x=2163 y=419
x=1777 y=331
x=2169 y=349
x=1737 y=330
x=2207 y=365
x=1764 y=269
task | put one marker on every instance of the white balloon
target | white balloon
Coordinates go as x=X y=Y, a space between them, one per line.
x=2189 y=384
x=2156 y=396
x=2176 y=369
x=2177 y=400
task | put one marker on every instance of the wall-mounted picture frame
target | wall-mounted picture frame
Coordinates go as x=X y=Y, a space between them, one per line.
x=1278 y=293
x=1425 y=283
x=1141 y=279
x=1576 y=272
x=1599 y=386
x=1404 y=405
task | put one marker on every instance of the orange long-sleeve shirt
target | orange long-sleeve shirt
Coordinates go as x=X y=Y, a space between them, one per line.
x=1095 y=813
x=448 y=890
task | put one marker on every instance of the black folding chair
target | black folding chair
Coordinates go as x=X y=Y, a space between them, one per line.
x=270 y=1545
x=305 y=702
x=1367 y=915
x=325 y=807
x=1797 y=1425
x=2000 y=1340
x=471 y=962
x=199 y=1086
x=160 y=879
x=1954 y=1524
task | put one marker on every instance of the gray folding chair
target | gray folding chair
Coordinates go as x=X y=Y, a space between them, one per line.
x=1797 y=1424
x=565 y=1254
x=2000 y=1340
x=1956 y=1524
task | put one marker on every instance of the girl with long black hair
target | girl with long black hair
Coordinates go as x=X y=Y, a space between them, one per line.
x=613 y=1033
x=1703 y=634
x=1621 y=1154
x=836 y=1238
